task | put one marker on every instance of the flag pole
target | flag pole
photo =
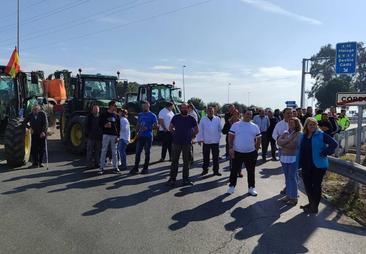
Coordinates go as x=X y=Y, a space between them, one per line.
x=18 y=19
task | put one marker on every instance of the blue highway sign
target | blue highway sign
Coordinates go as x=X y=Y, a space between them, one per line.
x=346 y=57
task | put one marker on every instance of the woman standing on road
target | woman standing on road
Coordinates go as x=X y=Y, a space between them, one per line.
x=315 y=147
x=290 y=143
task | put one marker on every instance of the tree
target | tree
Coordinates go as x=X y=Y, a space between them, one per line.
x=216 y=105
x=326 y=94
x=197 y=103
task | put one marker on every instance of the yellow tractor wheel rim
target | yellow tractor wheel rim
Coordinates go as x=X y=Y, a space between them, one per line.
x=27 y=143
x=76 y=134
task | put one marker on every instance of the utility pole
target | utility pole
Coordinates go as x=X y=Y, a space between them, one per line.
x=18 y=21
x=184 y=86
x=228 y=93
x=305 y=70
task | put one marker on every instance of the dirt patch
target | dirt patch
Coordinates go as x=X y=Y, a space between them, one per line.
x=345 y=194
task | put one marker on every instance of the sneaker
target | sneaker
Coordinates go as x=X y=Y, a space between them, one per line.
x=41 y=165
x=144 y=172
x=252 y=191
x=231 y=190
x=134 y=171
x=204 y=172
x=161 y=160
x=170 y=183
x=216 y=173
x=33 y=166
x=101 y=171
x=116 y=170
x=292 y=202
x=187 y=183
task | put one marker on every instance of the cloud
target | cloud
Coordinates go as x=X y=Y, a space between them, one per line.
x=273 y=8
x=276 y=72
x=162 y=67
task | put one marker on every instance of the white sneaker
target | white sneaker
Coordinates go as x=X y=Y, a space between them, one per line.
x=230 y=190
x=101 y=171
x=252 y=191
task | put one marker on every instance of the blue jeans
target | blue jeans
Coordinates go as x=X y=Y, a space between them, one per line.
x=292 y=179
x=143 y=143
x=122 y=145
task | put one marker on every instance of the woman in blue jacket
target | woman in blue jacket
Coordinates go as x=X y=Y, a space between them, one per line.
x=315 y=147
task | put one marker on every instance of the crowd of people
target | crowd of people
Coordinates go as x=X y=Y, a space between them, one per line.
x=299 y=139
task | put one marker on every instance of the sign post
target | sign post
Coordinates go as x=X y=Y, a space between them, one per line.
x=354 y=99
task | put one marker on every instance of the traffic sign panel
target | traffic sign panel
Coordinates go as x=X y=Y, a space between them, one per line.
x=351 y=99
x=346 y=57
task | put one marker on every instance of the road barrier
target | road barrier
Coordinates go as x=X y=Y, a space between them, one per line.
x=352 y=170
x=348 y=169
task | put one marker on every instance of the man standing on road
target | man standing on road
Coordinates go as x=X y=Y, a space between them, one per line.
x=184 y=128
x=226 y=128
x=110 y=125
x=165 y=116
x=280 y=129
x=244 y=142
x=146 y=122
x=38 y=124
x=94 y=138
x=272 y=123
x=262 y=121
x=210 y=134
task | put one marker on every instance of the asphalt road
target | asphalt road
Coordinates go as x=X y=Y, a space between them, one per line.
x=69 y=209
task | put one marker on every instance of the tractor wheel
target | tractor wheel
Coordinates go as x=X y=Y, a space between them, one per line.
x=75 y=135
x=17 y=143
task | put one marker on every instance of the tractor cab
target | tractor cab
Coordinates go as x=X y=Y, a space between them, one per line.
x=84 y=91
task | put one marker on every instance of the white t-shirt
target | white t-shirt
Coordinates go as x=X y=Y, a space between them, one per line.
x=279 y=129
x=167 y=116
x=124 y=129
x=245 y=135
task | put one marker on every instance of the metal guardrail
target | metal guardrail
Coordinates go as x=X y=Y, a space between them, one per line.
x=348 y=169
x=352 y=170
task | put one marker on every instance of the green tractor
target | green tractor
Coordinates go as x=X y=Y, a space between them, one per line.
x=84 y=91
x=17 y=97
x=157 y=95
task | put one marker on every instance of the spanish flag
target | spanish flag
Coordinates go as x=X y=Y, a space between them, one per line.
x=13 y=66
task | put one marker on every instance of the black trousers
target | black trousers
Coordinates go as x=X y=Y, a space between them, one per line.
x=264 y=143
x=273 y=146
x=249 y=160
x=214 y=148
x=313 y=178
x=176 y=151
x=38 y=149
x=166 y=143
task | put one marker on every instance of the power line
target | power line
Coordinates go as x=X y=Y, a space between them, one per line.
x=129 y=23
x=74 y=23
x=45 y=15
x=25 y=6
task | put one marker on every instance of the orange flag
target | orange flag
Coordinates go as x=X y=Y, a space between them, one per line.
x=13 y=66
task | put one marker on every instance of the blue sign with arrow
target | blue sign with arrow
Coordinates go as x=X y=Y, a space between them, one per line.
x=346 y=57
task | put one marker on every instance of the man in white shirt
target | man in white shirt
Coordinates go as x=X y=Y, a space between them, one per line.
x=263 y=124
x=244 y=142
x=282 y=125
x=210 y=134
x=124 y=137
x=165 y=116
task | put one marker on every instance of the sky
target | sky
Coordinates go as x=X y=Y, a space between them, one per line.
x=248 y=51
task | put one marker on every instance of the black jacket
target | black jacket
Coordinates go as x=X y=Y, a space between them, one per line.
x=113 y=119
x=94 y=130
x=38 y=122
